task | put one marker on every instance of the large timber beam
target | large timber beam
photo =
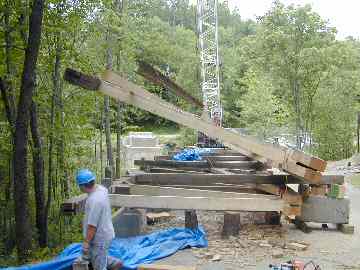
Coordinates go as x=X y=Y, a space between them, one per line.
x=295 y=162
x=197 y=203
x=212 y=179
x=211 y=158
x=74 y=205
x=182 y=192
x=199 y=164
x=153 y=75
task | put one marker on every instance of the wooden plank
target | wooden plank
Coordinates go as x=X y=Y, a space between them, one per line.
x=292 y=161
x=196 y=203
x=212 y=158
x=289 y=196
x=198 y=164
x=211 y=179
x=164 y=267
x=183 y=170
x=182 y=192
x=153 y=75
x=224 y=188
x=74 y=205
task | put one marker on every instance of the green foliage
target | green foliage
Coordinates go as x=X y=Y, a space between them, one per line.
x=263 y=111
x=187 y=137
x=284 y=72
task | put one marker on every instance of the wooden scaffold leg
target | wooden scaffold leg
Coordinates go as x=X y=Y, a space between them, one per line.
x=191 y=221
x=231 y=225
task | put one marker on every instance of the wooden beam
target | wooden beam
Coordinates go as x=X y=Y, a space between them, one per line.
x=292 y=161
x=170 y=170
x=74 y=205
x=211 y=158
x=198 y=164
x=197 y=203
x=289 y=196
x=118 y=188
x=182 y=192
x=156 y=77
x=211 y=179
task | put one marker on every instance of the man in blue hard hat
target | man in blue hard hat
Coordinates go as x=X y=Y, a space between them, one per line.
x=98 y=229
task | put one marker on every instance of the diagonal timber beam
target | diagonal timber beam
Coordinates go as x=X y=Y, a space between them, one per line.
x=292 y=161
x=153 y=75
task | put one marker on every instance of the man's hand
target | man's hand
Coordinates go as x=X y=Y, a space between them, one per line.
x=85 y=250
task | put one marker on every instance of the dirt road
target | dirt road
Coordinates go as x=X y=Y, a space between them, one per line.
x=256 y=246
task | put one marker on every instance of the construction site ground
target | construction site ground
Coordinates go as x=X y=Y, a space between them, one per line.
x=259 y=245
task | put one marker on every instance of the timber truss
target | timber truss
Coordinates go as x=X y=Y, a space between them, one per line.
x=237 y=178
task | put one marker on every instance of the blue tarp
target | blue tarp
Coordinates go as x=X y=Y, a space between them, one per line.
x=191 y=154
x=132 y=251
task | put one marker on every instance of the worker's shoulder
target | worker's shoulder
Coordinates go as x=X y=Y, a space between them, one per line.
x=99 y=195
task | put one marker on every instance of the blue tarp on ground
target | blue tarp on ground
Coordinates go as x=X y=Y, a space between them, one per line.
x=132 y=251
x=191 y=154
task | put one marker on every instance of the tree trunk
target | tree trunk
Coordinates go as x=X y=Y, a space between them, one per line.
x=39 y=182
x=296 y=92
x=110 y=160
x=118 y=139
x=10 y=115
x=8 y=89
x=53 y=113
x=21 y=194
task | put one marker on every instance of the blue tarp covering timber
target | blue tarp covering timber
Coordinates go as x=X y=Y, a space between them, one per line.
x=191 y=154
x=132 y=251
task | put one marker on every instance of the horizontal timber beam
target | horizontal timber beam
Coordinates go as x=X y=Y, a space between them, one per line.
x=199 y=164
x=74 y=205
x=210 y=179
x=196 y=203
x=293 y=161
x=211 y=158
x=182 y=192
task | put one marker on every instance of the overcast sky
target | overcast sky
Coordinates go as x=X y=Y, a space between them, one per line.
x=343 y=14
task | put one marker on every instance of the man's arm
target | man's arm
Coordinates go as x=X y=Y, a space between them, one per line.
x=90 y=233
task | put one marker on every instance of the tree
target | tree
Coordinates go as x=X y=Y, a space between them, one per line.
x=263 y=111
x=289 y=45
x=23 y=226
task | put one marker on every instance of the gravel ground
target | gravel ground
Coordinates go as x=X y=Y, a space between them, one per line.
x=259 y=245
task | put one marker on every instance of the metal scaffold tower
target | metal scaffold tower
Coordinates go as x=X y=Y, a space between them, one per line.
x=207 y=23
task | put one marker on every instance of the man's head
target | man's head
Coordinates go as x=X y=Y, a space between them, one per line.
x=86 y=180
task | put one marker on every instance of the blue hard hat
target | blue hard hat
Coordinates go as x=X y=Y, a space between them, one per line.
x=85 y=176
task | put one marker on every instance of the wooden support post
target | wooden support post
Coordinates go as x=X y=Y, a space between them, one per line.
x=231 y=226
x=272 y=218
x=191 y=221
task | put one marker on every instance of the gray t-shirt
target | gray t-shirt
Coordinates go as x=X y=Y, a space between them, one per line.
x=98 y=214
